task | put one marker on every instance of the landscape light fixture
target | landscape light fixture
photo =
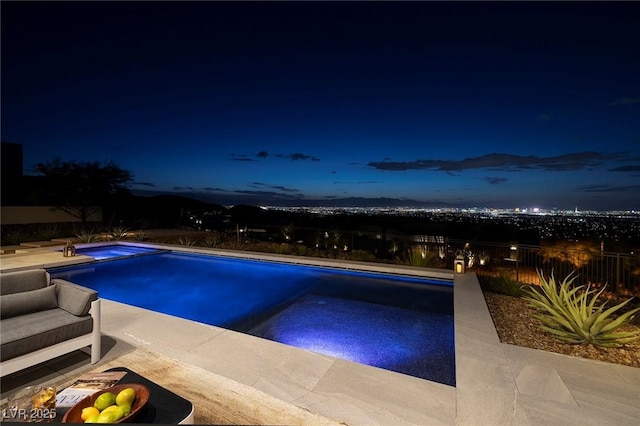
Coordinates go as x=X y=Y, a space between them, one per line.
x=513 y=252
x=458 y=263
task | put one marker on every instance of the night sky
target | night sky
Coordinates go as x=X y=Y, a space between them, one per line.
x=504 y=104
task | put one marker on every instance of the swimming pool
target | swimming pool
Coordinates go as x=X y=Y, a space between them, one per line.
x=398 y=323
x=114 y=251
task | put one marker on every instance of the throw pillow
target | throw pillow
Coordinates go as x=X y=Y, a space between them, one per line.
x=26 y=302
x=74 y=298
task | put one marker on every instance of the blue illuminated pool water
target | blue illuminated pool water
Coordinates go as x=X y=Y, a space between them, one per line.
x=401 y=324
x=114 y=251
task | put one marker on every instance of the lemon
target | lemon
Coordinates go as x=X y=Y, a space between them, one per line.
x=108 y=417
x=114 y=410
x=104 y=400
x=92 y=419
x=126 y=409
x=126 y=396
x=89 y=412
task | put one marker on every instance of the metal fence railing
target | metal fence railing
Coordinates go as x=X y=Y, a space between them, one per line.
x=619 y=272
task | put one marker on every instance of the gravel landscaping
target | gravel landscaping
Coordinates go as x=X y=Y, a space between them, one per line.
x=516 y=325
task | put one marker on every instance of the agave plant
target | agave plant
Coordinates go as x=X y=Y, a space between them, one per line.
x=187 y=241
x=87 y=236
x=140 y=236
x=212 y=240
x=117 y=233
x=49 y=232
x=416 y=256
x=505 y=283
x=572 y=316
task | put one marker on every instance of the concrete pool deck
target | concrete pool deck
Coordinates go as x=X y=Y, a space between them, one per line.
x=496 y=383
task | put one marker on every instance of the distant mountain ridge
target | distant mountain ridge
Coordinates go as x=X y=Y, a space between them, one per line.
x=362 y=202
x=293 y=202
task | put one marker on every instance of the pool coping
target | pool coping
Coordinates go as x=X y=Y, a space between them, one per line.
x=495 y=383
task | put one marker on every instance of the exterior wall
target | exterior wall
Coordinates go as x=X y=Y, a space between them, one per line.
x=14 y=215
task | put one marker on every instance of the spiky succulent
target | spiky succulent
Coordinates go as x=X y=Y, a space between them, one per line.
x=571 y=314
x=87 y=236
x=117 y=233
x=186 y=241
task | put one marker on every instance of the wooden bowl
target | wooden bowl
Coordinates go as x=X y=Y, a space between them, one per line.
x=142 y=396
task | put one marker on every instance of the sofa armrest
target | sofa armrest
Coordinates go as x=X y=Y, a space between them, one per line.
x=74 y=298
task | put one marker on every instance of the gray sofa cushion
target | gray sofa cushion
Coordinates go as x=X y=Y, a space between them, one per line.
x=30 y=332
x=14 y=282
x=74 y=298
x=15 y=304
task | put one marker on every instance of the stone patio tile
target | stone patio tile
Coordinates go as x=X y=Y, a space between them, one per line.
x=486 y=392
x=354 y=412
x=477 y=329
x=475 y=346
x=474 y=371
x=490 y=407
x=378 y=396
x=545 y=383
x=629 y=375
x=519 y=357
x=283 y=371
x=310 y=400
x=144 y=330
x=615 y=395
x=548 y=413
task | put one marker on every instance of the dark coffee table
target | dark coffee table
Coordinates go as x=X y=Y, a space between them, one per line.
x=163 y=406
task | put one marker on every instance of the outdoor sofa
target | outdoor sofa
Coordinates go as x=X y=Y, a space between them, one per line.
x=42 y=318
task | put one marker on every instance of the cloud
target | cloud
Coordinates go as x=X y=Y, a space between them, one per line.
x=298 y=156
x=609 y=188
x=265 y=154
x=149 y=184
x=284 y=189
x=209 y=188
x=625 y=101
x=262 y=192
x=279 y=188
x=267 y=194
x=508 y=162
x=183 y=188
x=495 y=180
x=364 y=182
x=626 y=169
x=240 y=157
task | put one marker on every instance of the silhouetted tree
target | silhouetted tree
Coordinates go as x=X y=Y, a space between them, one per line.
x=79 y=189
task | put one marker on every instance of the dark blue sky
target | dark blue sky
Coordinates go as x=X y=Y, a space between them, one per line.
x=504 y=104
